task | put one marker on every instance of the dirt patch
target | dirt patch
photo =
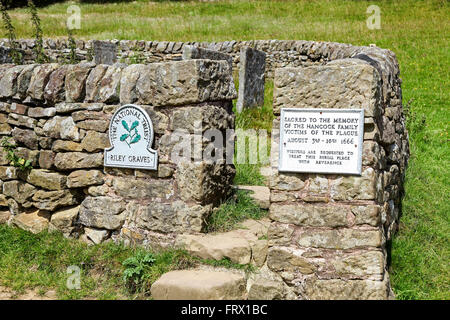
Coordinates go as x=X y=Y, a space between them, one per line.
x=8 y=294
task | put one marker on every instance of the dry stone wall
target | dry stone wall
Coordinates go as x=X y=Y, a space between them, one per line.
x=328 y=238
x=57 y=116
x=328 y=233
x=279 y=53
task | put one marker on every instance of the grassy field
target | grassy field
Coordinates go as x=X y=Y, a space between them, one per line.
x=417 y=31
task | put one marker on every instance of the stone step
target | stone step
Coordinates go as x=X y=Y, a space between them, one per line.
x=199 y=285
x=243 y=246
x=259 y=194
x=266 y=172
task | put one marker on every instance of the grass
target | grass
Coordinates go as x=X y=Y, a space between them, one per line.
x=44 y=259
x=257 y=119
x=417 y=31
x=420 y=251
x=249 y=175
x=236 y=209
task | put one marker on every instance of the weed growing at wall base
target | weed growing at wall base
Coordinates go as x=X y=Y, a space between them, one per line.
x=136 y=266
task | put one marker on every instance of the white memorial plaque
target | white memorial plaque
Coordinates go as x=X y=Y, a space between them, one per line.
x=131 y=138
x=321 y=140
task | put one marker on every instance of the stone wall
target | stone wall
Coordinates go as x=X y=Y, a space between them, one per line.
x=329 y=233
x=279 y=53
x=58 y=117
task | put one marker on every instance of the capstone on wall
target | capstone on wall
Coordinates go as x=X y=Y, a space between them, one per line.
x=58 y=118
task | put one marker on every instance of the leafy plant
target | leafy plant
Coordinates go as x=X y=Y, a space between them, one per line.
x=136 y=268
x=130 y=137
x=137 y=57
x=14 y=160
x=73 y=59
x=14 y=52
x=38 y=49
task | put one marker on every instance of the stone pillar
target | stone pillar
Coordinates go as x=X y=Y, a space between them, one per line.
x=328 y=234
x=252 y=66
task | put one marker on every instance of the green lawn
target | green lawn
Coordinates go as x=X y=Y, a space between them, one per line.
x=417 y=31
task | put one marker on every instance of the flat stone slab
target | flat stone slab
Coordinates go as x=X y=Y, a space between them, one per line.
x=256 y=227
x=252 y=66
x=245 y=245
x=105 y=52
x=218 y=246
x=260 y=194
x=199 y=285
